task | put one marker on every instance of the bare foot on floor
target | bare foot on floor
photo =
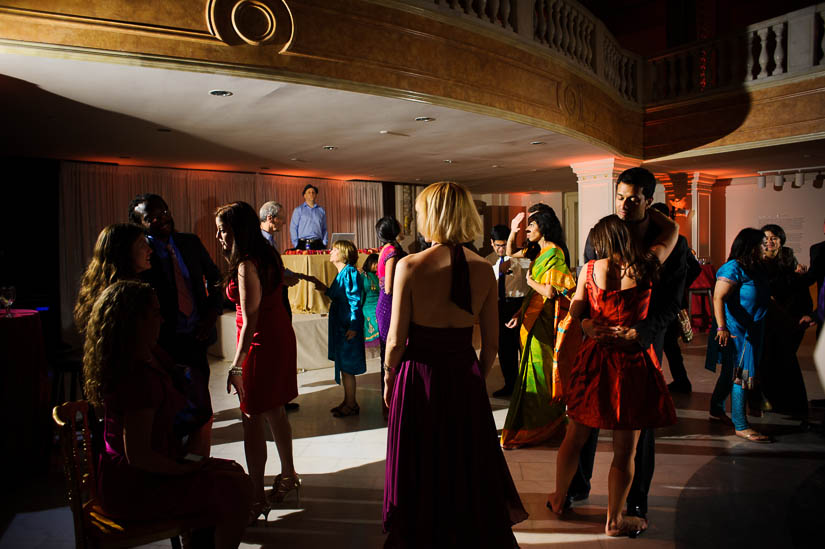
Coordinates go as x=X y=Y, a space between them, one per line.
x=626 y=526
x=555 y=502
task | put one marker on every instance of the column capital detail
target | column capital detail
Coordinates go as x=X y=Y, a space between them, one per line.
x=602 y=168
x=703 y=182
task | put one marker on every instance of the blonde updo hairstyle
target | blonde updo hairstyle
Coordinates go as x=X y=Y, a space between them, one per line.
x=447 y=214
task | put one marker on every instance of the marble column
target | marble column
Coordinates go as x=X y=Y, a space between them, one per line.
x=597 y=192
x=701 y=185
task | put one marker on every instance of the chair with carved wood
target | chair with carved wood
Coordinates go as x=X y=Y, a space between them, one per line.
x=92 y=527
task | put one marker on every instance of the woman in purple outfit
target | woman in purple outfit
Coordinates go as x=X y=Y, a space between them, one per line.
x=388 y=230
x=447 y=483
x=142 y=473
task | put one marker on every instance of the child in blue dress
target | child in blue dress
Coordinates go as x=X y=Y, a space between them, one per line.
x=346 y=323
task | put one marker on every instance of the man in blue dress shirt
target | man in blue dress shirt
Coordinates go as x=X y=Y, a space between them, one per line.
x=308 y=227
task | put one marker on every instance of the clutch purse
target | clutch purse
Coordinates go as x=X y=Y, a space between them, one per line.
x=685 y=325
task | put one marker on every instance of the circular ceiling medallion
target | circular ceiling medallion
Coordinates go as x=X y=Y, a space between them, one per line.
x=254 y=22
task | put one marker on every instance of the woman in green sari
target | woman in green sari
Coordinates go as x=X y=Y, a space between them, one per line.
x=536 y=408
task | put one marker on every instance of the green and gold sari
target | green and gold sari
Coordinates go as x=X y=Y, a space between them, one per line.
x=536 y=408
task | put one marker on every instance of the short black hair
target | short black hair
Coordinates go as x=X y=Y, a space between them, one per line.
x=662 y=207
x=309 y=186
x=500 y=232
x=540 y=207
x=140 y=199
x=639 y=177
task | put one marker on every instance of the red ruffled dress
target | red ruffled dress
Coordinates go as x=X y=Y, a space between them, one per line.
x=270 y=377
x=618 y=387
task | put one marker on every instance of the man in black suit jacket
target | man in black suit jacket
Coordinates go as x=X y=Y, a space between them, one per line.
x=816 y=274
x=188 y=286
x=634 y=195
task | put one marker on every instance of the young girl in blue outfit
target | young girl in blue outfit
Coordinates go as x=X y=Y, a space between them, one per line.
x=346 y=323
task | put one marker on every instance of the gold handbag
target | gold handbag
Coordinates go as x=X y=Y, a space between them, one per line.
x=685 y=325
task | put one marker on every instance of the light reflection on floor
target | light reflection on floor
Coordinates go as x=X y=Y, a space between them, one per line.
x=710 y=488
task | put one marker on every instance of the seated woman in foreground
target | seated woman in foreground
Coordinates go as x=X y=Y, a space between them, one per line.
x=143 y=474
x=614 y=383
x=447 y=483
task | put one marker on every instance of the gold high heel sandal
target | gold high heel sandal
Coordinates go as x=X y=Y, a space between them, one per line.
x=282 y=486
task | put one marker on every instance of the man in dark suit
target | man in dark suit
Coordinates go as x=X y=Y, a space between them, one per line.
x=816 y=274
x=512 y=288
x=634 y=195
x=188 y=286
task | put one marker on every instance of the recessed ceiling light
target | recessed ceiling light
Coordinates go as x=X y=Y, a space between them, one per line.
x=537 y=143
x=383 y=132
x=448 y=161
x=329 y=147
x=164 y=130
x=418 y=179
x=221 y=93
x=495 y=166
x=424 y=119
x=294 y=159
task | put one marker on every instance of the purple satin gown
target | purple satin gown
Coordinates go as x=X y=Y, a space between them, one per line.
x=447 y=483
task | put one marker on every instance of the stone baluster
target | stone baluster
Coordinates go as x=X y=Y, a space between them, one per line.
x=672 y=79
x=454 y=4
x=588 y=45
x=480 y=8
x=822 y=39
x=574 y=38
x=762 y=35
x=685 y=83
x=505 y=14
x=491 y=14
x=752 y=43
x=553 y=29
x=779 y=51
x=564 y=38
x=580 y=24
x=541 y=30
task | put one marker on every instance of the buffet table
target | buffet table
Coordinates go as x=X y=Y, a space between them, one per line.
x=303 y=297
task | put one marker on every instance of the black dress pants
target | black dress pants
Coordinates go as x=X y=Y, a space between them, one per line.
x=674 y=353
x=508 y=340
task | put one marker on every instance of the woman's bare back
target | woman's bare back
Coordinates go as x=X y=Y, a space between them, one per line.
x=430 y=278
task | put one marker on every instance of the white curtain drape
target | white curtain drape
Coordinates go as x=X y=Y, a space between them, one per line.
x=95 y=195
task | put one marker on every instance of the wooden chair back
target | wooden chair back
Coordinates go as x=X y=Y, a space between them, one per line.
x=92 y=526
x=72 y=419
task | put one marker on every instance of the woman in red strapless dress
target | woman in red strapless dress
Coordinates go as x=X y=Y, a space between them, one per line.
x=263 y=371
x=614 y=383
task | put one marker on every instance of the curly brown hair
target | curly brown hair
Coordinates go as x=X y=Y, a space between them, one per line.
x=111 y=336
x=111 y=261
x=612 y=240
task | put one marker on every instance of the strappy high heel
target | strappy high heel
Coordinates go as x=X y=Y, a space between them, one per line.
x=259 y=508
x=282 y=486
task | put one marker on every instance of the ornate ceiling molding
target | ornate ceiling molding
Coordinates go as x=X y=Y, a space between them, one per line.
x=253 y=22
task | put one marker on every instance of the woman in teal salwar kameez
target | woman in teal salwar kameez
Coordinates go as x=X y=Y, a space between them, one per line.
x=536 y=409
